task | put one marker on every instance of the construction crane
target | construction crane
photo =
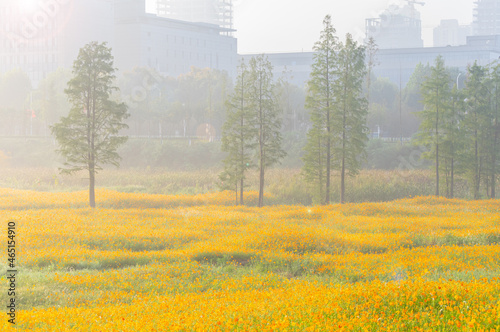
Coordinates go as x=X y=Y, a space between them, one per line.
x=412 y=3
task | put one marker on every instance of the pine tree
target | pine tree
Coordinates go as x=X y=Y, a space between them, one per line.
x=475 y=120
x=351 y=109
x=314 y=170
x=371 y=52
x=452 y=140
x=238 y=135
x=495 y=127
x=89 y=136
x=320 y=102
x=268 y=120
x=436 y=94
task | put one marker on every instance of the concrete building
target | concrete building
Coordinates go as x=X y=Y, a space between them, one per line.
x=487 y=17
x=296 y=65
x=398 y=64
x=170 y=46
x=39 y=37
x=450 y=33
x=218 y=12
x=397 y=27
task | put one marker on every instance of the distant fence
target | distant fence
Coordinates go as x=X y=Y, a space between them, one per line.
x=142 y=137
x=395 y=139
x=199 y=138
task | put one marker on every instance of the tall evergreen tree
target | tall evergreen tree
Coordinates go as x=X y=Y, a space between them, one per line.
x=495 y=127
x=89 y=136
x=268 y=120
x=371 y=52
x=238 y=135
x=320 y=102
x=351 y=109
x=314 y=169
x=452 y=140
x=475 y=119
x=436 y=94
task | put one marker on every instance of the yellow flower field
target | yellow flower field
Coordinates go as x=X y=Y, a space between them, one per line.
x=196 y=263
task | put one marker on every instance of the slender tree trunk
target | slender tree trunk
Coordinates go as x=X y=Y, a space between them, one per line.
x=328 y=158
x=261 y=185
x=437 y=169
x=342 y=181
x=328 y=133
x=476 y=174
x=242 y=160
x=344 y=120
x=242 y=139
x=92 y=187
x=342 y=171
x=91 y=158
x=320 y=170
x=261 y=149
x=479 y=175
x=368 y=84
x=476 y=166
x=236 y=193
x=241 y=192
x=437 y=146
x=447 y=180
x=452 y=185
x=494 y=161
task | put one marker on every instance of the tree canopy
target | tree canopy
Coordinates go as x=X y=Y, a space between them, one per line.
x=88 y=136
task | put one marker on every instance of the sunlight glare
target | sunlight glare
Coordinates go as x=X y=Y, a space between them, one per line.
x=29 y=5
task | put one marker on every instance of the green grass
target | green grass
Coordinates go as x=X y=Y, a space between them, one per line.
x=286 y=186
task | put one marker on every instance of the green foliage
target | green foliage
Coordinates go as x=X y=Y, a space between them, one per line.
x=182 y=106
x=320 y=103
x=436 y=94
x=49 y=99
x=238 y=134
x=351 y=107
x=89 y=136
x=338 y=111
x=385 y=112
x=371 y=48
x=452 y=142
x=412 y=92
x=494 y=130
x=475 y=126
x=147 y=95
x=267 y=117
x=15 y=88
x=461 y=128
x=291 y=99
x=203 y=92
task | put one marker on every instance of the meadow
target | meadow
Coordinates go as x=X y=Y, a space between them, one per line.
x=154 y=262
x=286 y=186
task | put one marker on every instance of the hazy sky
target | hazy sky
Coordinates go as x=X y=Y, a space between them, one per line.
x=292 y=25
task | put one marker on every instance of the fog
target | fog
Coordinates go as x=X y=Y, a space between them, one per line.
x=286 y=26
x=175 y=75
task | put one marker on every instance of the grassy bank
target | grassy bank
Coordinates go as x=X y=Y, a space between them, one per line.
x=287 y=186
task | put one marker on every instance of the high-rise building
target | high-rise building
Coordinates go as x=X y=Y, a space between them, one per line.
x=450 y=33
x=398 y=64
x=397 y=27
x=170 y=46
x=487 y=18
x=40 y=36
x=219 y=12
